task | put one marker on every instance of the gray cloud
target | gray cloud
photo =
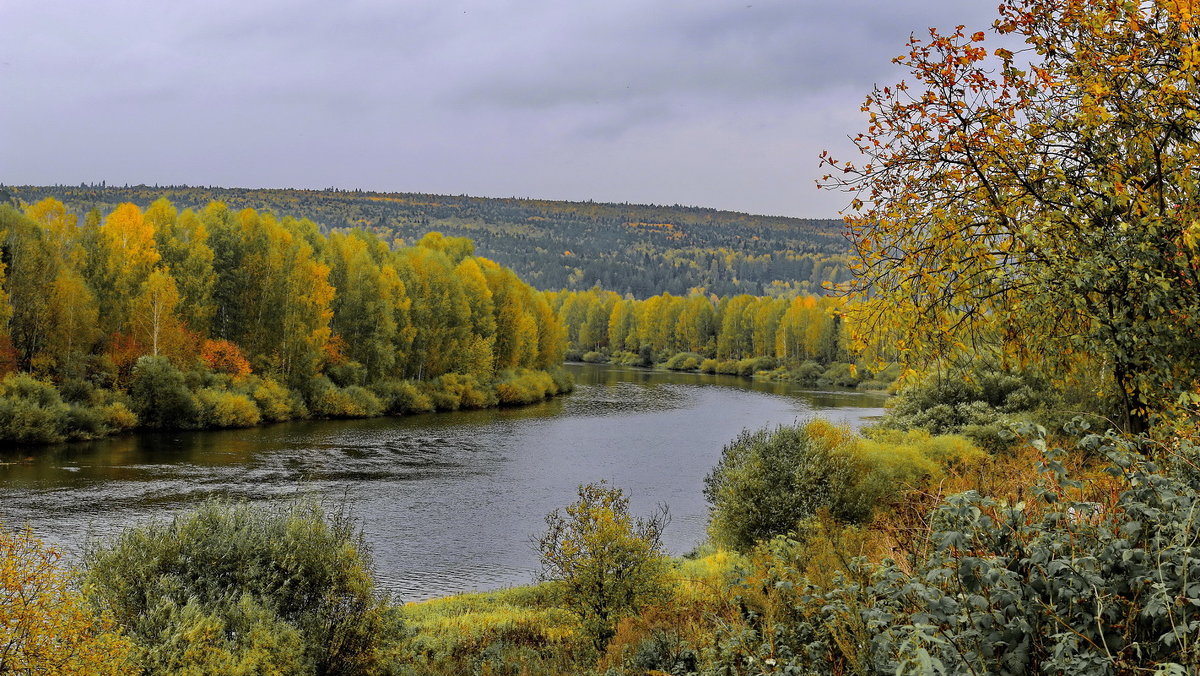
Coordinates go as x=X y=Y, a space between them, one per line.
x=722 y=104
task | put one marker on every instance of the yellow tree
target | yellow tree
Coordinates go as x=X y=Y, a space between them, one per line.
x=130 y=254
x=1040 y=199
x=76 y=317
x=155 y=324
x=46 y=627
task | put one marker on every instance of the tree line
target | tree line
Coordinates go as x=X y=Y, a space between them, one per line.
x=803 y=338
x=216 y=317
x=640 y=250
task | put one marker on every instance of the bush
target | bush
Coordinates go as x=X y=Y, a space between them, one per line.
x=594 y=357
x=275 y=402
x=631 y=359
x=31 y=410
x=564 y=382
x=768 y=481
x=708 y=366
x=347 y=373
x=221 y=408
x=684 y=361
x=607 y=563
x=330 y=401
x=400 y=397
x=984 y=405
x=752 y=365
x=1084 y=576
x=523 y=386
x=161 y=398
x=839 y=374
x=279 y=589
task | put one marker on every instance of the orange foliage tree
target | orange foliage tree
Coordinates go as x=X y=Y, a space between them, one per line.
x=1041 y=198
x=224 y=356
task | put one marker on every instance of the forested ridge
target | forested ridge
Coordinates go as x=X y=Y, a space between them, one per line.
x=640 y=250
x=220 y=318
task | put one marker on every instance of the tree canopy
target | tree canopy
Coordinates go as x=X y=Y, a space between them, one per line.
x=1039 y=198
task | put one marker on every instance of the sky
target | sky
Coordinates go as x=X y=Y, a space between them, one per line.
x=695 y=102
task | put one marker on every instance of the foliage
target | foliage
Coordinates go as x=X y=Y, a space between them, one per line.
x=221 y=408
x=770 y=482
x=161 y=398
x=248 y=588
x=743 y=334
x=518 y=631
x=179 y=309
x=1088 y=575
x=522 y=386
x=636 y=249
x=1040 y=202
x=33 y=411
x=607 y=563
x=223 y=356
x=45 y=625
x=985 y=405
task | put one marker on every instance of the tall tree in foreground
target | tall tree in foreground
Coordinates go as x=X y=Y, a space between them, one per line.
x=1043 y=201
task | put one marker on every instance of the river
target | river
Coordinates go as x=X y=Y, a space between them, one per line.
x=447 y=501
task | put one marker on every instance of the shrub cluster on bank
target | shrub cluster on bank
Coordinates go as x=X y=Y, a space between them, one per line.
x=161 y=396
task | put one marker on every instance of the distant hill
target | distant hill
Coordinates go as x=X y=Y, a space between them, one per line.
x=628 y=248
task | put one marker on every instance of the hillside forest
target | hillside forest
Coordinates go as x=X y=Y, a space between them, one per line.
x=631 y=249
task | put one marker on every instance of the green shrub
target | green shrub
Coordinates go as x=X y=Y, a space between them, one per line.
x=330 y=401
x=983 y=406
x=221 y=408
x=839 y=374
x=684 y=361
x=347 y=374
x=161 y=398
x=275 y=402
x=607 y=564
x=564 y=382
x=630 y=359
x=523 y=386
x=400 y=397
x=31 y=410
x=729 y=367
x=1051 y=584
x=752 y=365
x=594 y=357
x=768 y=481
x=268 y=589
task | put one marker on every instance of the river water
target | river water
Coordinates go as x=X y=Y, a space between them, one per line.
x=447 y=501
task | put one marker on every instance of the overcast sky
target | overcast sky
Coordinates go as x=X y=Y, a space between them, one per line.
x=697 y=102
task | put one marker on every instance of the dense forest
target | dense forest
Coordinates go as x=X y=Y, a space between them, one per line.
x=217 y=318
x=627 y=248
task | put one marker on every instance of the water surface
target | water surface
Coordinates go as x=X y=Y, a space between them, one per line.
x=448 y=501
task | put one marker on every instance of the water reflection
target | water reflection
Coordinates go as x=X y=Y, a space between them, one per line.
x=448 y=501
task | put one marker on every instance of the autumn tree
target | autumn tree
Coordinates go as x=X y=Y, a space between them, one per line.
x=1040 y=198
x=46 y=627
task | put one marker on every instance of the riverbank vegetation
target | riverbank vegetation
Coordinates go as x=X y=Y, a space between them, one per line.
x=211 y=318
x=802 y=338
